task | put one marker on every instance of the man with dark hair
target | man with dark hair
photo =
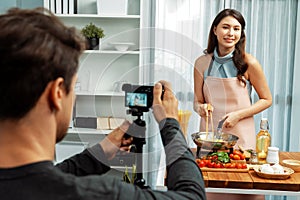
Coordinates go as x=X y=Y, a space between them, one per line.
x=38 y=67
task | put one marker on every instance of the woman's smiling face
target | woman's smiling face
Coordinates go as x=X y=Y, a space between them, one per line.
x=228 y=33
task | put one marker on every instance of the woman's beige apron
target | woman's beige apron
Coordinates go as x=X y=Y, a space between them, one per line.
x=227 y=95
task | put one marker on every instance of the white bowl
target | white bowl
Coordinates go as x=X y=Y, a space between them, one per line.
x=293 y=164
x=121 y=46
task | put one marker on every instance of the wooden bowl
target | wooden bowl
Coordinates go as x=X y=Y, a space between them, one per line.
x=286 y=175
x=293 y=164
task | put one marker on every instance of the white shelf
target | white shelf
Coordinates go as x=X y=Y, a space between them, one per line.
x=100 y=93
x=76 y=130
x=100 y=69
x=110 y=52
x=98 y=16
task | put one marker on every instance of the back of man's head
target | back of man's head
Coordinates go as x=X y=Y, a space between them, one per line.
x=35 y=49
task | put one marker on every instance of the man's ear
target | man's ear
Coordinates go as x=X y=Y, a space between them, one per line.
x=56 y=93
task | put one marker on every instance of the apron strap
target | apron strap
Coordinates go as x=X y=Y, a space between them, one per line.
x=208 y=71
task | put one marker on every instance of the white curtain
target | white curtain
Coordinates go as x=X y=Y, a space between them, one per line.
x=271 y=37
x=295 y=114
x=182 y=31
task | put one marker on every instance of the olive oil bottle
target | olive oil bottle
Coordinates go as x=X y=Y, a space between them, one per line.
x=263 y=141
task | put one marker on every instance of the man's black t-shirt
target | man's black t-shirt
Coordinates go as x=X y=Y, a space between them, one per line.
x=80 y=176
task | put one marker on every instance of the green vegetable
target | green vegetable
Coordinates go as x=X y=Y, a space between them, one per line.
x=222 y=156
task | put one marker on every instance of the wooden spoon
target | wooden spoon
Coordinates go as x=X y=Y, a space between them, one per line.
x=206 y=126
x=209 y=109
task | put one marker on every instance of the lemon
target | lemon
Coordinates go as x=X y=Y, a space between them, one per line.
x=262 y=155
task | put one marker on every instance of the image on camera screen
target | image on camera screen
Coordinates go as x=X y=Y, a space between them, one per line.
x=136 y=99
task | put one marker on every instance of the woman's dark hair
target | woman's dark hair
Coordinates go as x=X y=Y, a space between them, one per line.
x=239 y=53
x=35 y=49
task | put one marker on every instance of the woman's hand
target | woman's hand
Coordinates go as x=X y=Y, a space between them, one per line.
x=204 y=109
x=115 y=141
x=231 y=119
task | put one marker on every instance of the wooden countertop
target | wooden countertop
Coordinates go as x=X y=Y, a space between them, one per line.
x=251 y=181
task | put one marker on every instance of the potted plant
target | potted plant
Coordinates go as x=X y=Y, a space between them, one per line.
x=93 y=35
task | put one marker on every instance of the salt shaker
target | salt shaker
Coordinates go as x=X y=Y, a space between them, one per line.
x=273 y=155
x=253 y=159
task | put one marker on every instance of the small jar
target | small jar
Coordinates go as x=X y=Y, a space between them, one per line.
x=253 y=159
x=273 y=155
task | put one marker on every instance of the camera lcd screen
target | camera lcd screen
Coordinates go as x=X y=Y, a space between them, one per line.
x=136 y=99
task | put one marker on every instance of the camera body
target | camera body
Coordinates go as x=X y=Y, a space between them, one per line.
x=139 y=97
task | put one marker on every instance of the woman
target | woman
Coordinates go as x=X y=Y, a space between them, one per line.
x=224 y=76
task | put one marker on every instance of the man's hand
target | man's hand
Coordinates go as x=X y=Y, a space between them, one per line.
x=115 y=141
x=166 y=108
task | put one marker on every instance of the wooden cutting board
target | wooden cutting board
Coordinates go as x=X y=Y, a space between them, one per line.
x=208 y=169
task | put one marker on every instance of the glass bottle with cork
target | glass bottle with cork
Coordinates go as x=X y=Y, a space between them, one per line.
x=263 y=141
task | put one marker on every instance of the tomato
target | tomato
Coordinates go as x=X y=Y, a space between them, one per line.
x=211 y=165
x=217 y=165
x=236 y=157
x=244 y=166
x=242 y=156
x=227 y=165
x=206 y=162
x=214 y=157
x=231 y=155
x=202 y=164
x=239 y=166
x=198 y=161
x=232 y=165
x=237 y=152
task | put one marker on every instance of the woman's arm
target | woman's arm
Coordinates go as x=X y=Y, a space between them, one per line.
x=200 y=105
x=257 y=78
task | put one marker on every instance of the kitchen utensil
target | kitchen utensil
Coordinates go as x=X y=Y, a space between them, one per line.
x=219 y=128
x=206 y=126
x=209 y=109
x=224 y=141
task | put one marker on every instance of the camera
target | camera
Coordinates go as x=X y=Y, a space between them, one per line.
x=139 y=97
